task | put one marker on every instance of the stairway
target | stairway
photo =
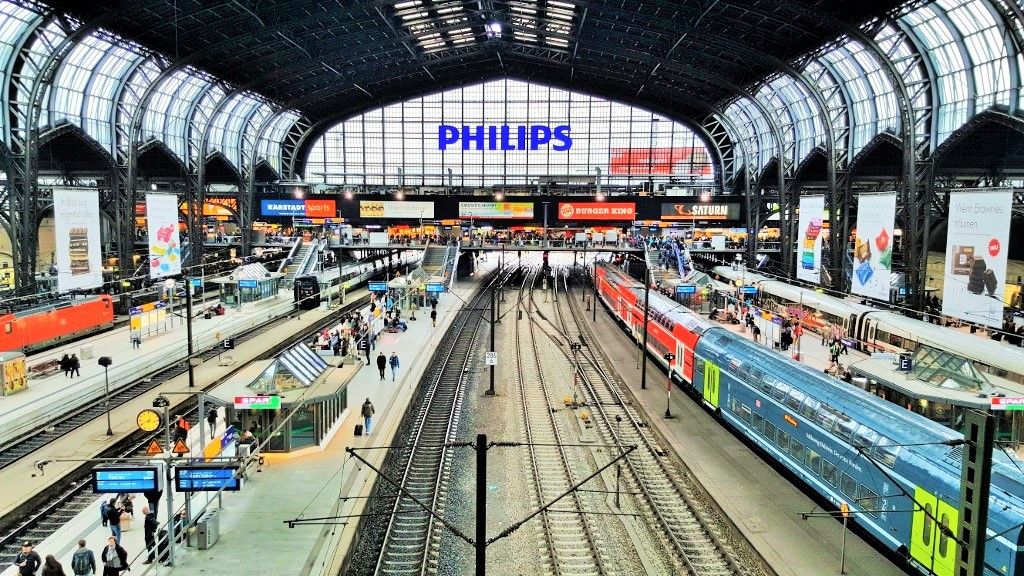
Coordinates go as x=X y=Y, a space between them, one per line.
x=299 y=263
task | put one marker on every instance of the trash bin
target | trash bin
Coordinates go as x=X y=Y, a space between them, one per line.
x=208 y=530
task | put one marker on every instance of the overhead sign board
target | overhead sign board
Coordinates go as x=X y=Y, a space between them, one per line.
x=697 y=210
x=211 y=478
x=395 y=209
x=496 y=210
x=596 y=210
x=310 y=207
x=258 y=402
x=377 y=286
x=748 y=289
x=686 y=289
x=1006 y=403
x=435 y=287
x=247 y=283
x=119 y=479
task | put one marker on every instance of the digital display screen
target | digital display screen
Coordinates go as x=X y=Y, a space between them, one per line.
x=206 y=479
x=117 y=480
x=378 y=286
x=435 y=288
x=686 y=289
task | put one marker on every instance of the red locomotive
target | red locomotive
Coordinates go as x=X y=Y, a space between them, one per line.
x=55 y=323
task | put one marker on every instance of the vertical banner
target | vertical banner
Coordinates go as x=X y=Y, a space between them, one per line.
x=76 y=215
x=808 y=239
x=162 y=227
x=976 y=243
x=872 y=251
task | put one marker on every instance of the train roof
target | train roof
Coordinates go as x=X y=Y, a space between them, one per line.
x=678 y=313
x=51 y=305
x=972 y=347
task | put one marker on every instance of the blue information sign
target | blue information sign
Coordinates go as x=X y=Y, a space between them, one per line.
x=206 y=479
x=114 y=480
x=247 y=283
x=378 y=286
x=197 y=282
x=686 y=289
x=435 y=287
x=748 y=290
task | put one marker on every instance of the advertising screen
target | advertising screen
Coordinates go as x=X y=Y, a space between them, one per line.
x=496 y=210
x=596 y=210
x=309 y=208
x=77 y=227
x=808 y=238
x=395 y=209
x=872 y=249
x=164 y=242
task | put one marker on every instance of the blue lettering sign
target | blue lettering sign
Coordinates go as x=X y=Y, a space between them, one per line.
x=435 y=287
x=127 y=479
x=206 y=479
x=247 y=283
x=377 y=286
x=283 y=207
x=503 y=137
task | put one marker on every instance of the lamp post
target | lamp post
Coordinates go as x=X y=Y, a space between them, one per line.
x=188 y=329
x=668 y=396
x=105 y=361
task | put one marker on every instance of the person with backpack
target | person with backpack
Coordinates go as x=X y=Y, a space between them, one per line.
x=83 y=563
x=28 y=561
x=103 y=512
x=367 y=413
x=115 y=558
x=149 y=528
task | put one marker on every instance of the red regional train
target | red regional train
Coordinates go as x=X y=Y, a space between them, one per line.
x=673 y=330
x=55 y=323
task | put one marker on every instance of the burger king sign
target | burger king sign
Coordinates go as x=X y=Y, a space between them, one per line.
x=596 y=211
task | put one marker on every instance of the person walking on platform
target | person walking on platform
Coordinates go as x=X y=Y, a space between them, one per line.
x=114 y=519
x=136 y=339
x=367 y=413
x=52 y=567
x=149 y=528
x=65 y=365
x=28 y=560
x=211 y=420
x=394 y=365
x=115 y=558
x=382 y=363
x=83 y=563
x=75 y=365
x=433 y=317
x=756 y=331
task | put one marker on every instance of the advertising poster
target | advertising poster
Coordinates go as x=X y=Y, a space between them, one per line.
x=872 y=251
x=76 y=214
x=496 y=210
x=596 y=211
x=395 y=209
x=978 y=234
x=164 y=242
x=808 y=238
x=308 y=208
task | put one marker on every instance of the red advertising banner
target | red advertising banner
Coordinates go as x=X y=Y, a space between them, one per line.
x=596 y=210
x=321 y=208
x=692 y=161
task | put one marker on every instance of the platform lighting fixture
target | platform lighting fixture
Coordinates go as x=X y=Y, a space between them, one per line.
x=152 y=186
x=705 y=196
x=498 y=196
x=599 y=197
x=297 y=193
x=348 y=194
x=399 y=195
x=493 y=29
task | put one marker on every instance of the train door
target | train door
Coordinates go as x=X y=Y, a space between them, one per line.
x=682 y=360
x=712 y=382
x=930 y=545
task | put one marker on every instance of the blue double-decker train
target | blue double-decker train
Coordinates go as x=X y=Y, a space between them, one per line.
x=896 y=471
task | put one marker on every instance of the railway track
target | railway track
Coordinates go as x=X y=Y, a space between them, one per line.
x=45 y=513
x=691 y=534
x=425 y=457
x=568 y=552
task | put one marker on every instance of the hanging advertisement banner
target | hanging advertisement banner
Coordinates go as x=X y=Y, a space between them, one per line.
x=76 y=214
x=976 y=245
x=872 y=251
x=395 y=209
x=496 y=210
x=164 y=242
x=596 y=210
x=808 y=239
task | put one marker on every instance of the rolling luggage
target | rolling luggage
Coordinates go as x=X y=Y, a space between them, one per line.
x=359 y=429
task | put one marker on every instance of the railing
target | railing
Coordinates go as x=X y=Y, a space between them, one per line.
x=291 y=254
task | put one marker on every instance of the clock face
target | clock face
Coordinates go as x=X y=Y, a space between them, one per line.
x=148 y=420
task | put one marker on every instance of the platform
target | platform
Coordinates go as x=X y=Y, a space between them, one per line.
x=90 y=440
x=764 y=505
x=49 y=396
x=257 y=514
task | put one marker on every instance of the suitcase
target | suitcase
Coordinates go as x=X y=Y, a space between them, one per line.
x=163 y=551
x=359 y=429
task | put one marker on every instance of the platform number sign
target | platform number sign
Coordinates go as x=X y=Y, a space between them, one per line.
x=933 y=528
x=491 y=358
x=712 y=379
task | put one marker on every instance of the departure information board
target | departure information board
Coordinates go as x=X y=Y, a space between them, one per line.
x=206 y=479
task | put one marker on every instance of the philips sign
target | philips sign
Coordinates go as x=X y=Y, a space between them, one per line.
x=504 y=137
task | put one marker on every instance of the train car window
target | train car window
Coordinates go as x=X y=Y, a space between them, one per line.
x=769 y=431
x=782 y=439
x=829 y=472
x=885 y=452
x=8 y=327
x=795 y=399
x=745 y=413
x=781 y=390
x=796 y=450
x=768 y=383
x=758 y=422
x=826 y=417
x=810 y=408
x=926 y=534
x=943 y=534
x=756 y=374
x=814 y=462
x=847 y=485
x=868 y=500
x=865 y=437
x=845 y=429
